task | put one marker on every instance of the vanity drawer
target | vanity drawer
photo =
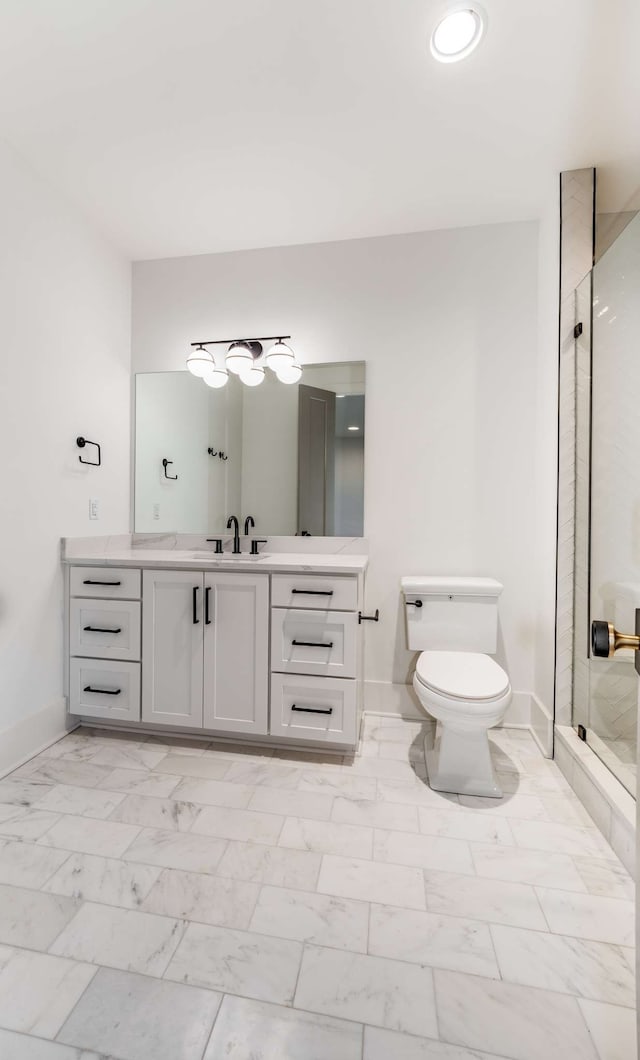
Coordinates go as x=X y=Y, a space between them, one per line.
x=104 y=689
x=313 y=642
x=320 y=709
x=105 y=629
x=317 y=592
x=106 y=582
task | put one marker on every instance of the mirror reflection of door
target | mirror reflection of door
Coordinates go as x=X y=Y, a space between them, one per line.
x=316 y=460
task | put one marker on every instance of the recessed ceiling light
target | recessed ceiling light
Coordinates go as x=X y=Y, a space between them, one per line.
x=458 y=33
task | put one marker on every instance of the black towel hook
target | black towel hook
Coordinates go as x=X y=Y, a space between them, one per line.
x=165 y=464
x=81 y=442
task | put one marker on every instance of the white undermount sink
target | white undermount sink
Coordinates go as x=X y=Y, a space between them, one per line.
x=224 y=557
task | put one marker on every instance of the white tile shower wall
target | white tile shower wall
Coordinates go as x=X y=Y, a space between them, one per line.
x=577 y=237
x=447 y=323
x=64 y=371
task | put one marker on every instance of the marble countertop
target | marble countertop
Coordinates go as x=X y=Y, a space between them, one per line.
x=201 y=559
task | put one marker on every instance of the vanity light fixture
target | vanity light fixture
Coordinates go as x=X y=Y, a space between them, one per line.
x=290 y=373
x=246 y=359
x=253 y=376
x=200 y=361
x=216 y=378
x=458 y=32
x=353 y=428
x=240 y=357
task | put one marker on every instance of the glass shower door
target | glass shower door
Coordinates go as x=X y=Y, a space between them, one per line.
x=607 y=573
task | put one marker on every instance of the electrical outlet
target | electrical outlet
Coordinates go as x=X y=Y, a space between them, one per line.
x=94 y=508
x=156 y=511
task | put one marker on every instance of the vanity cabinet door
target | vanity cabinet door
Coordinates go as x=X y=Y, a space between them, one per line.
x=236 y=652
x=172 y=647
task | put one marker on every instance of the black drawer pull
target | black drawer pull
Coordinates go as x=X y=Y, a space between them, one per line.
x=101 y=629
x=89 y=581
x=313 y=592
x=104 y=691
x=312 y=710
x=312 y=643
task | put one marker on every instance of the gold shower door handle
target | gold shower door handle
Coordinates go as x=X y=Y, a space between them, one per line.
x=606 y=640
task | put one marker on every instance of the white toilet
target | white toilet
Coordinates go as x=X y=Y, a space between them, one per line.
x=453 y=622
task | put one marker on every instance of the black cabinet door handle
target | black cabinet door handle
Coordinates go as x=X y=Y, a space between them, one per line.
x=312 y=710
x=313 y=592
x=90 y=581
x=312 y=643
x=207 y=619
x=101 y=629
x=104 y=691
x=196 y=620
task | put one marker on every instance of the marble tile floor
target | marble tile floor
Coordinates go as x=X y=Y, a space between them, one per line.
x=166 y=899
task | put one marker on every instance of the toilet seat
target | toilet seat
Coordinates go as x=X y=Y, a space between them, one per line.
x=461 y=675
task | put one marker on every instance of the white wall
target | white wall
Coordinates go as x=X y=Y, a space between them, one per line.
x=64 y=371
x=447 y=323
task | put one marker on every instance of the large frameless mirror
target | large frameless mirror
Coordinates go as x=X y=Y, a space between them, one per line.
x=290 y=456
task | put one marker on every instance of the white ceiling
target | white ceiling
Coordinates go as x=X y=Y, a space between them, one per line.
x=192 y=126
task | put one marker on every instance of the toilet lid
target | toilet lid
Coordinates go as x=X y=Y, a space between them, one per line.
x=462 y=674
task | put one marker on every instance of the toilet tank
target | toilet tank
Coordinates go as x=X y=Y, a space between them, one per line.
x=453 y=614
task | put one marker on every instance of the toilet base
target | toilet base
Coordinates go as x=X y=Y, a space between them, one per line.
x=460 y=763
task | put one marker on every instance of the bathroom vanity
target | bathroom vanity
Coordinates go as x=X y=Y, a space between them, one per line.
x=266 y=648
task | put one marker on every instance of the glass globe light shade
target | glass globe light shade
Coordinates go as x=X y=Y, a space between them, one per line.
x=253 y=376
x=199 y=362
x=239 y=358
x=216 y=378
x=291 y=373
x=279 y=356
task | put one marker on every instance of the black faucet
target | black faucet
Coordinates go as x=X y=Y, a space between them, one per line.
x=248 y=520
x=232 y=521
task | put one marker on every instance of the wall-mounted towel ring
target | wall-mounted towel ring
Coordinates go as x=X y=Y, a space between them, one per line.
x=165 y=464
x=81 y=442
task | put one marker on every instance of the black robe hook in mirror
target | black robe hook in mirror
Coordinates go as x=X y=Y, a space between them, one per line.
x=81 y=442
x=165 y=464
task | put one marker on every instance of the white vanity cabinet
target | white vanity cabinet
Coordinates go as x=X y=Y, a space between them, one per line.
x=104 y=643
x=316 y=658
x=269 y=655
x=172 y=648
x=204 y=655
x=236 y=653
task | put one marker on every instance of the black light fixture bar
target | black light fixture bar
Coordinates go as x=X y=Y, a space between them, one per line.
x=256 y=338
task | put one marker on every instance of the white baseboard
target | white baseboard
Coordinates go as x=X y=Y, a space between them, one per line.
x=32 y=734
x=383 y=697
